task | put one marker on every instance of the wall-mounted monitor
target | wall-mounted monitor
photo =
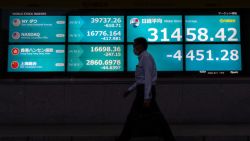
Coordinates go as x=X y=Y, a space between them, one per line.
x=36 y=58
x=213 y=57
x=212 y=28
x=155 y=28
x=23 y=29
x=96 y=29
x=96 y=58
x=168 y=57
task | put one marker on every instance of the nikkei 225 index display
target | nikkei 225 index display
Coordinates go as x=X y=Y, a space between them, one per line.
x=212 y=42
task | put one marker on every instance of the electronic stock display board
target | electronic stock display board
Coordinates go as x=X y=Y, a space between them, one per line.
x=36 y=42
x=209 y=42
x=157 y=29
x=212 y=42
x=225 y=55
x=107 y=52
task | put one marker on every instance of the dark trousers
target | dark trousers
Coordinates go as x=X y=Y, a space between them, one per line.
x=145 y=121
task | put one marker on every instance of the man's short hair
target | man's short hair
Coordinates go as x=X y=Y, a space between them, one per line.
x=141 y=41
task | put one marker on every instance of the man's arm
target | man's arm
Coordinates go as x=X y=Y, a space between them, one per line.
x=147 y=66
x=130 y=89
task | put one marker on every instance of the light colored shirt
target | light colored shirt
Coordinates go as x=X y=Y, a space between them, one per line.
x=145 y=73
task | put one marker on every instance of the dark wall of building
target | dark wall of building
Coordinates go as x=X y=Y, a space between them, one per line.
x=100 y=101
x=116 y=4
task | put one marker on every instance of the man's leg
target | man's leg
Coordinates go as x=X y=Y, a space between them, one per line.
x=162 y=126
x=130 y=124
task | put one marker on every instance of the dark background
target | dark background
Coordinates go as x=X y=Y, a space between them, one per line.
x=72 y=101
x=128 y=4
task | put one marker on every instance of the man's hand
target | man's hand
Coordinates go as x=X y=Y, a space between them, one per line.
x=147 y=103
x=126 y=94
